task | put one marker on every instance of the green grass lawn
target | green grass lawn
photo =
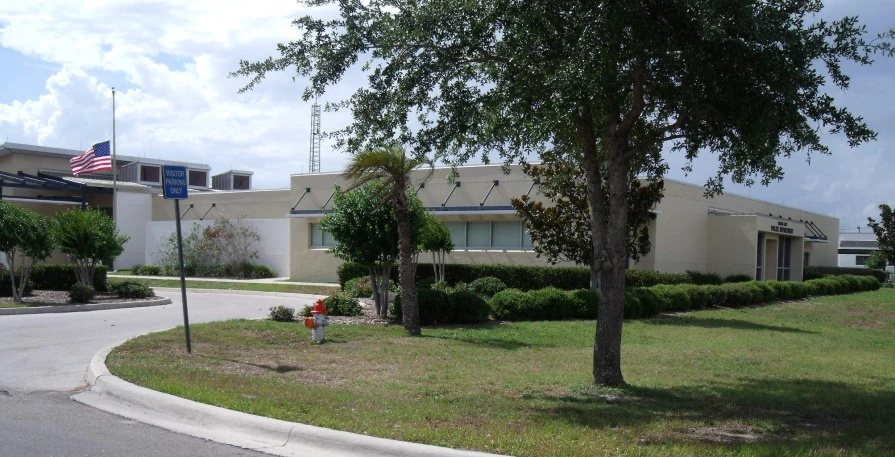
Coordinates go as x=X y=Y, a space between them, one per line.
x=814 y=378
x=235 y=285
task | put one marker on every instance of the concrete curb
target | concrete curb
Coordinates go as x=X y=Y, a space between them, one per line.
x=83 y=308
x=271 y=436
x=238 y=292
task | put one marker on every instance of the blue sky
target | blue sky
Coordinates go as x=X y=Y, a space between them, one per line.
x=169 y=62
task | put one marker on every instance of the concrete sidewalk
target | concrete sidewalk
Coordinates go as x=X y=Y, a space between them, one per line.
x=112 y=394
x=236 y=281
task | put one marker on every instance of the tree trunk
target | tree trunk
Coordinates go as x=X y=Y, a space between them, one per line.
x=11 y=258
x=385 y=277
x=374 y=281
x=435 y=264
x=409 y=305
x=607 y=352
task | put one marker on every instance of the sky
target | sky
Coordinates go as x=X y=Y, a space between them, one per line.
x=169 y=63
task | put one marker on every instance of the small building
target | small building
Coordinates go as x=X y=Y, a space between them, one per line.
x=855 y=248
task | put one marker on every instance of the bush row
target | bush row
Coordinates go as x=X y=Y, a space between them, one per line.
x=820 y=272
x=53 y=277
x=520 y=277
x=440 y=307
x=553 y=304
x=245 y=270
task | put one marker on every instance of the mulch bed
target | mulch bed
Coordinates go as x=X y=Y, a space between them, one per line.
x=60 y=297
x=368 y=318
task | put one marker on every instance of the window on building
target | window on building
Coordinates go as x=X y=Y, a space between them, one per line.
x=320 y=238
x=784 y=258
x=458 y=233
x=149 y=173
x=198 y=178
x=861 y=260
x=241 y=182
x=760 y=257
x=489 y=234
x=807 y=261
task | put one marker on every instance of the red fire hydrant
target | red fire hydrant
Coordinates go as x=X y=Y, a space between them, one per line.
x=317 y=322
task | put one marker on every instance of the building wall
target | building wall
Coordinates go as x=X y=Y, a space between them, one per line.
x=134 y=212
x=256 y=204
x=272 y=247
x=733 y=242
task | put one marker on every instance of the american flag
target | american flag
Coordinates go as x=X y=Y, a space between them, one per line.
x=97 y=158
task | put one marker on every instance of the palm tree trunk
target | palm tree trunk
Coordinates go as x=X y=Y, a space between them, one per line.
x=409 y=305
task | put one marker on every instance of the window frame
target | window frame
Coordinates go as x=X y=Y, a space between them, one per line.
x=158 y=169
x=190 y=172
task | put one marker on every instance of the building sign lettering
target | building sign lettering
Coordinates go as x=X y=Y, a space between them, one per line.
x=781 y=227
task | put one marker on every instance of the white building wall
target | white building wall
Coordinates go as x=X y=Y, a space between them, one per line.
x=132 y=212
x=273 y=247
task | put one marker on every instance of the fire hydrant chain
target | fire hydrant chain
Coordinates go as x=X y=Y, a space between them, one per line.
x=317 y=322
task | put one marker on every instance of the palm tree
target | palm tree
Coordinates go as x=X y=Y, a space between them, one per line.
x=391 y=165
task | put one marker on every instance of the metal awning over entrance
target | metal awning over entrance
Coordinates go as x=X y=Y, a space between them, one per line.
x=45 y=182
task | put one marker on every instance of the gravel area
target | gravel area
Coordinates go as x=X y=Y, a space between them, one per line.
x=59 y=297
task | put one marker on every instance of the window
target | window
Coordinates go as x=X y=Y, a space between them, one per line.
x=149 y=173
x=458 y=233
x=506 y=235
x=321 y=239
x=784 y=258
x=861 y=260
x=198 y=178
x=478 y=234
x=241 y=182
x=486 y=235
x=807 y=262
x=760 y=260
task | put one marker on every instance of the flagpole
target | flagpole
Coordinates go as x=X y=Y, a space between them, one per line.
x=114 y=159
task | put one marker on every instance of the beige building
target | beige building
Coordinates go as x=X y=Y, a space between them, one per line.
x=728 y=234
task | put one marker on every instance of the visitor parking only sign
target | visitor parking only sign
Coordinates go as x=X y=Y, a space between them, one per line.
x=174 y=181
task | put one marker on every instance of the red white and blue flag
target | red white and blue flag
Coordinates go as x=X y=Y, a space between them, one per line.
x=97 y=158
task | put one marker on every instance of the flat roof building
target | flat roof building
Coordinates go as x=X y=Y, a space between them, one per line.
x=727 y=234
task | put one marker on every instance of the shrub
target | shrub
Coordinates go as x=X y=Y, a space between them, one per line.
x=717 y=295
x=62 y=277
x=250 y=270
x=702 y=279
x=737 y=295
x=673 y=298
x=306 y=311
x=131 y=289
x=358 y=287
x=487 y=286
x=436 y=307
x=281 y=314
x=782 y=291
x=738 y=278
x=699 y=295
x=650 y=302
x=146 y=270
x=799 y=291
x=649 y=278
x=469 y=308
x=633 y=308
x=342 y=305
x=351 y=270
x=768 y=290
x=820 y=272
x=551 y=303
x=510 y=304
x=587 y=301
x=81 y=293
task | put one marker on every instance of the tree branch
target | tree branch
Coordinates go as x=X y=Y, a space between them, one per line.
x=639 y=101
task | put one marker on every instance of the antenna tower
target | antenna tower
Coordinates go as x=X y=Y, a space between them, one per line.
x=315 y=138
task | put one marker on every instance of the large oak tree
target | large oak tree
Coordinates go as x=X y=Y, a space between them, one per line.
x=616 y=80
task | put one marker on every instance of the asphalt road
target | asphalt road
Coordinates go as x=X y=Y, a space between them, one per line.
x=43 y=361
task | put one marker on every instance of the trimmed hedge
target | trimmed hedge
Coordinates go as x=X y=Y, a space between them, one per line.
x=341 y=305
x=520 y=277
x=487 y=286
x=6 y=286
x=554 y=304
x=820 y=272
x=81 y=293
x=437 y=307
x=62 y=277
x=131 y=289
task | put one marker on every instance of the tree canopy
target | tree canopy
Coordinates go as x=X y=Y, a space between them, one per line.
x=24 y=234
x=617 y=81
x=885 y=232
x=88 y=237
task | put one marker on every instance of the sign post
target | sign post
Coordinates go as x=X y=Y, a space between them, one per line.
x=175 y=187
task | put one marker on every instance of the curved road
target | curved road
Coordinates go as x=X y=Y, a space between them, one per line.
x=44 y=360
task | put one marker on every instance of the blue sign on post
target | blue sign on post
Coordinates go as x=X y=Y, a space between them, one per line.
x=174 y=181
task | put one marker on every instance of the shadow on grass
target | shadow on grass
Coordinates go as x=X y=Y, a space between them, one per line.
x=277 y=368
x=785 y=414
x=692 y=321
x=496 y=343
